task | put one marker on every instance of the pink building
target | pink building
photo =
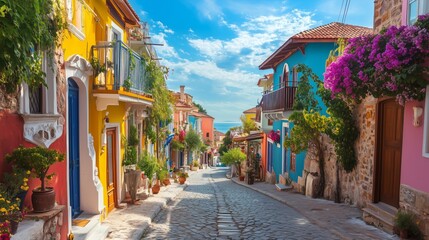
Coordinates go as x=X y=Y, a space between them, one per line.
x=414 y=191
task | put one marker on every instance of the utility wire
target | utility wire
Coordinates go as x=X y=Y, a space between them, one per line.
x=339 y=14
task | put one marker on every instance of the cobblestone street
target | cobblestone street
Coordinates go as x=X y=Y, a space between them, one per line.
x=213 y=207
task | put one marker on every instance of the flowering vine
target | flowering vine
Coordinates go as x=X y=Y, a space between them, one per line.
x=275 y=136
x=390 y=63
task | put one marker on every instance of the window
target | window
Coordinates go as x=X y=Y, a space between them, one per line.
x=207 y=134
x=38 y=106
x=75 y=17
x=294 y=77
x=36 y=100
x=416 y=8
x=284 y=77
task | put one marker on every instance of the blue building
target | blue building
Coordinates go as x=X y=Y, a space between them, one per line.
x=312 y=48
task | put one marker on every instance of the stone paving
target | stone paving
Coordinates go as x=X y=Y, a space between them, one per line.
x=213 y=207
x=130 y=221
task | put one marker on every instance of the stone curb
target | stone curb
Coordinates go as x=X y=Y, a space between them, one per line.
x=284 y=201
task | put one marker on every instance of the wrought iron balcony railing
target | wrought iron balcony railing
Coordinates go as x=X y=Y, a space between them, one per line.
x=116 y=65
x=280 y=100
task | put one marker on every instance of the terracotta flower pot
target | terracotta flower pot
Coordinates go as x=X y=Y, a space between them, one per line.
x=156 y=188
x=182 y=180
x=166 y=182
x=241 y=178
x=43 y=201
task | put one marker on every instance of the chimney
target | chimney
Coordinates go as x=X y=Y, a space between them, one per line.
x=182 y=93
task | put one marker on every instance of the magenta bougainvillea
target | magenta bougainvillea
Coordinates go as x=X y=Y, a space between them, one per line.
x=391 y=63
x=275 y=136
x=182 y=135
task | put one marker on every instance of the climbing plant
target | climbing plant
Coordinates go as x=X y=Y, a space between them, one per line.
x=27 y=30
x=160 y=114
x=309 y=124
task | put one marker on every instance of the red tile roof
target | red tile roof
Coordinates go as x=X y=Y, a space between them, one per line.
x=251 y=110
x=325 y=33
x=198 y=114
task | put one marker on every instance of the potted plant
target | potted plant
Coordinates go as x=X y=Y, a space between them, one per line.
x=405 y=224
x=164 y=177
x=195 y=165
x=13 y=189
x=37 y=160
x=250 y=176
x=15 y=185
x=148 y=165
x=182 y=177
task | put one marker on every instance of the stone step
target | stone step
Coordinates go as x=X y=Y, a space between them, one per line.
x=379 y=216
x=92 y=230
x=281 y=187
x=383 y=210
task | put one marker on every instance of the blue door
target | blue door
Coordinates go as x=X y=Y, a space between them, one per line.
x=269 y=157
x=181 y=159
x=73 y=133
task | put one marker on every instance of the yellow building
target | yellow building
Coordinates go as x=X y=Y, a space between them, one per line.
x=105 y=97
x=250 y=114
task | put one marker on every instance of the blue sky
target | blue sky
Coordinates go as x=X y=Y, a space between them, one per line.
x=214 y=47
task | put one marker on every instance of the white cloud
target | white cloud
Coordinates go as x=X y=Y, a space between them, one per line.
x=258 y=37
x=164 y=27
x=208 y=9
x=165 y=51
x=229 y=64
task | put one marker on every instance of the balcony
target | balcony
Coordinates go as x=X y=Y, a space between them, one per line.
x=280 y=100
x=119 y=75
x=117 y=67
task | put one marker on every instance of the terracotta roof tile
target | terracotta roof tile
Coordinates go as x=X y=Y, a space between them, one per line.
x=333 y=30
x=251 y=110
x=325 y=33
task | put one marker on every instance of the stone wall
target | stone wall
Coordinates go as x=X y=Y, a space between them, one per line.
x=8 y=102
x=387 y=13
x=356 y=187
x=417 y=202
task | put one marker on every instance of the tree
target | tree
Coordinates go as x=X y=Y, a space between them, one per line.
x=309 y=125
x=248 y=124
x=227 y=143
x=200 y=108
x=235 y=157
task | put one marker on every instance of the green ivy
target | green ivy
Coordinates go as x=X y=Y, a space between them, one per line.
x=27 y=29
x=160 y=114
x=309 y=124
x=340 y=125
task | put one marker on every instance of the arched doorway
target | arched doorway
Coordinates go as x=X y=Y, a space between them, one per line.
x=74 y=153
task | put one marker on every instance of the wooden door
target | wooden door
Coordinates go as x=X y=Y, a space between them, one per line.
x=389 y=151
x=74 y=155
x=111 y=169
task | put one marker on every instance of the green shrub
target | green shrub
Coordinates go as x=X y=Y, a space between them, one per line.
x=148 y=165
x=407 y=221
